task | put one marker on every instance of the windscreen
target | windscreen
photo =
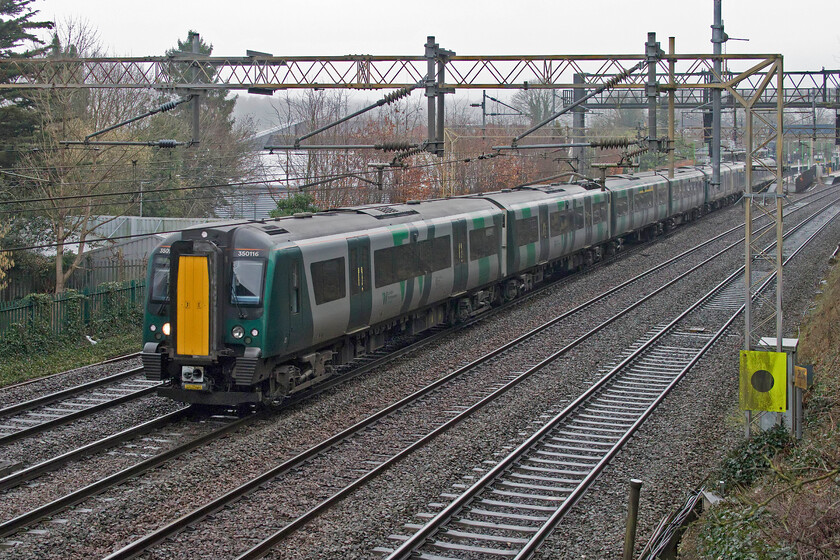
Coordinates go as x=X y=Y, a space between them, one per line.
x=160 y=279
x=247 y=282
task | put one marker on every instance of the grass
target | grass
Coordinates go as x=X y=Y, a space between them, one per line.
x=14 y=369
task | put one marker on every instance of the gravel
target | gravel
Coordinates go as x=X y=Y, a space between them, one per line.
x=366 y=518
x=15 y=394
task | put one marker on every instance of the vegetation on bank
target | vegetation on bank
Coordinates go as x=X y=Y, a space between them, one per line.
x=66 y=356
x=782 y=498
x=57 y=335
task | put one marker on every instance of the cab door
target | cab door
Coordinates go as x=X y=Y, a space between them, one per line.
x=193 y=306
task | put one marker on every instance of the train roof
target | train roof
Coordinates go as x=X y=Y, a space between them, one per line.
x=534 y=194
x=308 y=225
x=361 y=218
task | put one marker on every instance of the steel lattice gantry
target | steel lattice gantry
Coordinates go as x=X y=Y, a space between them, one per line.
x=364 y=72
x=753 y=81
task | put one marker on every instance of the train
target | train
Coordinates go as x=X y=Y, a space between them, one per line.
x=249 y=314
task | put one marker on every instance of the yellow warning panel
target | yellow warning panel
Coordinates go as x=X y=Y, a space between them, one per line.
x=763 y=381
x=193 y=318
x=800 y=378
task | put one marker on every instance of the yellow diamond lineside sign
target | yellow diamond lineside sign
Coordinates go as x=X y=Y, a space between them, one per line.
x=763 y=381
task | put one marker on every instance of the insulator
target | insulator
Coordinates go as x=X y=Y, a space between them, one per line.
x=166 y=143
x=168 y=106
x=615 y=80
x=636 y=152
x=394 y=146
x=397 y=95
x=409 y=153
x=612 y=143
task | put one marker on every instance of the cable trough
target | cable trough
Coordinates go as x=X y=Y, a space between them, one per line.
x=516 y=505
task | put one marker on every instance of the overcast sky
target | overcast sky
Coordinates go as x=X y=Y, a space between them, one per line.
x=805 y=32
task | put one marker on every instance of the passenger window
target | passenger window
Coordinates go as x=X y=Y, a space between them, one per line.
x=437 y=253
x=560 y=223
x=328 y=282
x=599 y=212
x=404 y=262
x=484 y=242
x=579 y=217
x=527 y=231
x=621 y=206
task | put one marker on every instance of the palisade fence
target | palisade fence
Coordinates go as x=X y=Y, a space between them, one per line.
x=86 y=277
x=73 y=311
x=114 y=270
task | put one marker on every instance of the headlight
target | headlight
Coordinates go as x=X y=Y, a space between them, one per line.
x=237 y=332
x=255 y=332
x=153 y=328
x=167 y=328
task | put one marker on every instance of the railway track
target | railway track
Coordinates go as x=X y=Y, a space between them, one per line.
x=113 y=360
x=225 y=425
x=516 y=504
x=57 y=505
x=376 y=454
x=43 y=413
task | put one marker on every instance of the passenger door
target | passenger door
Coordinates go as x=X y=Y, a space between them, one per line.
x=361 y=293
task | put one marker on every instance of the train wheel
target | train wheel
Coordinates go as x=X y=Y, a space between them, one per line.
x=464 y=310
x=511 y=290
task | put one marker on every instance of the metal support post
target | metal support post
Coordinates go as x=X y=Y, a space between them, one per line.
x=718 y=38
x=441 y=79
x=780 y=107
x=483 y=112
x=767 y=263
x=671 y=102
x=431 y=89
x=579 y=127
x=632 y=518
x=652 y=52
x=748 y=318
x=196 y=100
x=436 y=59
x=814 y=132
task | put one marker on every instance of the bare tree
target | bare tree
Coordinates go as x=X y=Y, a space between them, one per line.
x=69 y=181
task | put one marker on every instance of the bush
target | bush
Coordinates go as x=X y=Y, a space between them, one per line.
x=728 y=532
x=112 y=309
x=749 y=461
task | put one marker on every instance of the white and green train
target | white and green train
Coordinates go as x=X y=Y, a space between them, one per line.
x=251 y=313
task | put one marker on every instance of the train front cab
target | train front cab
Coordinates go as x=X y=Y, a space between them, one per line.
x=189 y=333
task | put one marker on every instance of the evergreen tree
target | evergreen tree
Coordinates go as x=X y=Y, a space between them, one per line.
x=221 y=156
x=301 y=202
x=17 y=40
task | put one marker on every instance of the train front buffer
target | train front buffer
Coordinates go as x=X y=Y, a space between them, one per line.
x=204 y=318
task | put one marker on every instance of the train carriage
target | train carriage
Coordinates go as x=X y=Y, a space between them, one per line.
x=249 y=313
